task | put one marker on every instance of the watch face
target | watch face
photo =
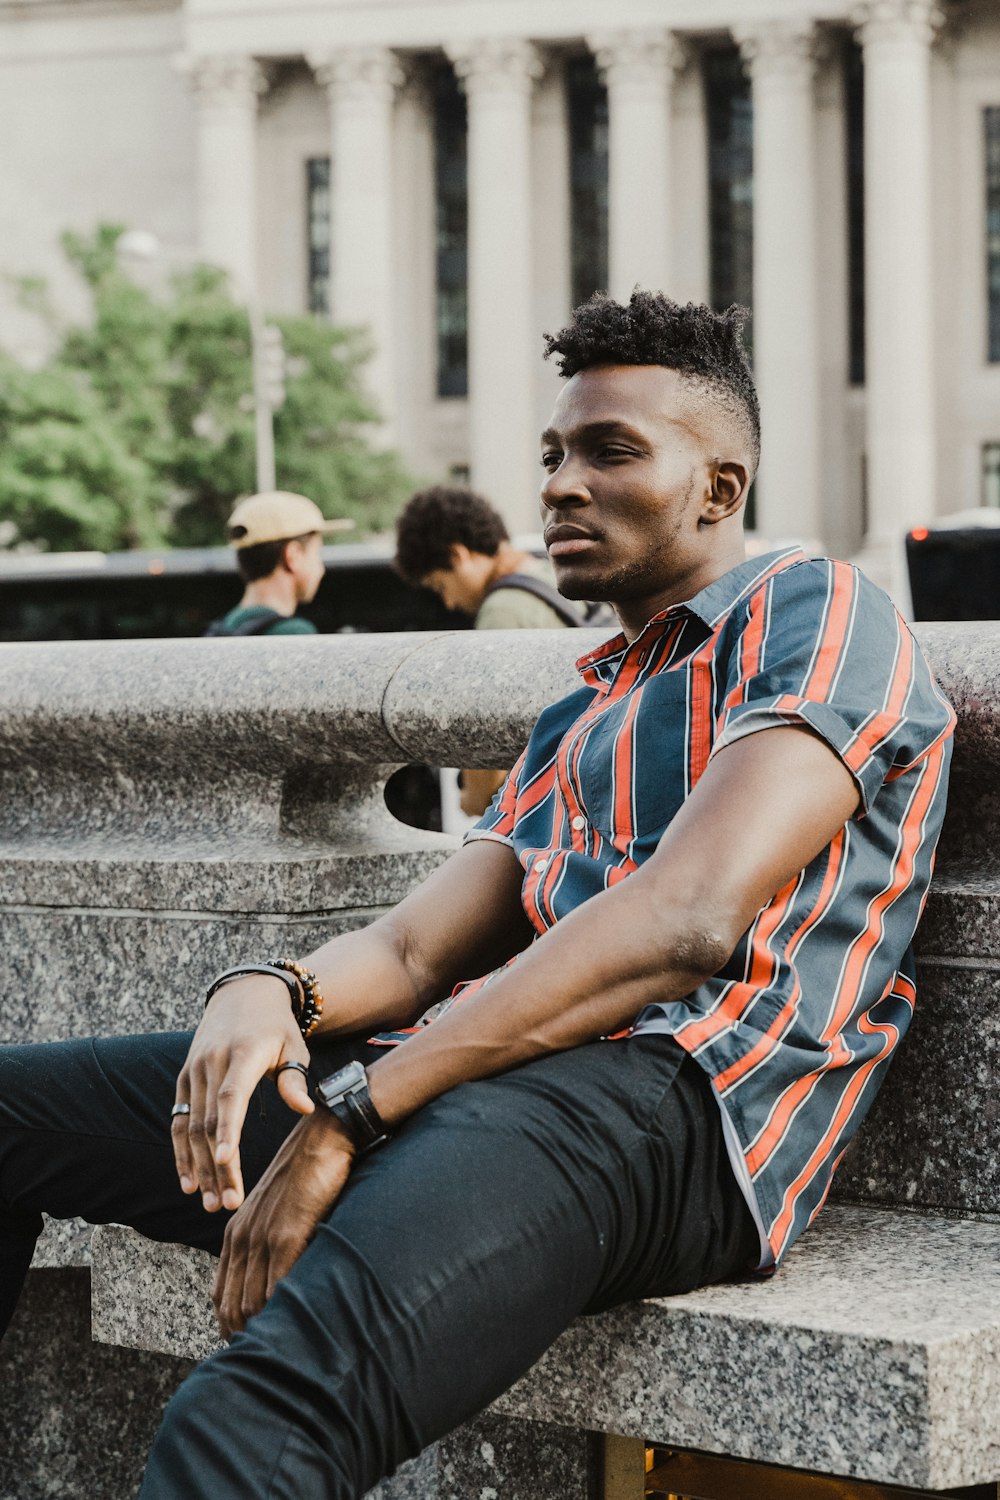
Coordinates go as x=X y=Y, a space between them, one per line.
x=342 y=1082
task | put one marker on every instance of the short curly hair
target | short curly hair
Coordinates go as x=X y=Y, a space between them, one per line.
x=651 y=329
x=434 y=520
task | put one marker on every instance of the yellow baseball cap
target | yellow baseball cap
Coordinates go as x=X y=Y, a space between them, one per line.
x=277 y=516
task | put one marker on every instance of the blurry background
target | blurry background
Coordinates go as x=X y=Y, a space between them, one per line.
x=443 y=181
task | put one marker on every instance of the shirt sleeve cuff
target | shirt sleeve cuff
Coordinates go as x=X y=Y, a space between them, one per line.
x=844 y=741
x=475 y=835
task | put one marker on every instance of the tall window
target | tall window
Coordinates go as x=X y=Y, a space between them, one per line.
x=990 y=475
x=588 y=147
x=730 y=178
x=318 y=232
x=854 y=111
x=452 y=217
x=992 y=125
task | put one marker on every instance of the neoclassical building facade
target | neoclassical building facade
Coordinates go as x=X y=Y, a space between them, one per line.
x=455 y=174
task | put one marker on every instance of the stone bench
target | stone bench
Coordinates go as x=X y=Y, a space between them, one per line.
x=873 y=1353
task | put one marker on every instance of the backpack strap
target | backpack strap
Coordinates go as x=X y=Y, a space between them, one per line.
x=541 y=589
x=257 y=625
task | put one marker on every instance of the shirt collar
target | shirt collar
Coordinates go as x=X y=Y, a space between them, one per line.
x=710 y=605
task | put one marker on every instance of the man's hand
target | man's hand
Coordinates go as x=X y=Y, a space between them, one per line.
x=247 y=1031
x=277 y=1221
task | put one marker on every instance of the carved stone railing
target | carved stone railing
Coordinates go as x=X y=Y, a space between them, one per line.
x=169 y=807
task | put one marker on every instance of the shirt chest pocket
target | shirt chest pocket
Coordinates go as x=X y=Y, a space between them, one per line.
x=630 y=764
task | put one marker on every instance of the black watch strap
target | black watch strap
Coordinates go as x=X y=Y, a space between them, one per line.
x=346 y=1095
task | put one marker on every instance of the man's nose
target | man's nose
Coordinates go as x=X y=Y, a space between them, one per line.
x=565 y=485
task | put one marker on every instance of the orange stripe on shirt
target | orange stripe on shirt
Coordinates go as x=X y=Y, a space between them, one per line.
x=783 y=1223
x=769 y=1040
x=835 y=638
x=844 y=1000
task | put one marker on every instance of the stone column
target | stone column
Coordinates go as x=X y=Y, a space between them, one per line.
x=504 y=343
x=361 y=83
x=779 y=55
x=899 y=288
x=638 y=68
x=226 y=89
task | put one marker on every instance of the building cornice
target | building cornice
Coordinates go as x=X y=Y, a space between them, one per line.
x=74 y=10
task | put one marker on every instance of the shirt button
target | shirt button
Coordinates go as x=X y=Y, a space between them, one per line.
x=579 y=823
x=540 y=865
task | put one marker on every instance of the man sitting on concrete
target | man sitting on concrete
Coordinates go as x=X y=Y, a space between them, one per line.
x=679 y=946
x=453 y=542
x=278 y=539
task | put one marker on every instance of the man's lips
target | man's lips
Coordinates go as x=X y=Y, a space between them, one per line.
x=569 y=541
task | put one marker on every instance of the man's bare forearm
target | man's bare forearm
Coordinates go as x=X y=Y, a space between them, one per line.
x=574 y=985
x=464 y=920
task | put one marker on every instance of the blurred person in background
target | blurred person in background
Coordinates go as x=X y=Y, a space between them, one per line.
x=453 y=542
x=278 y=539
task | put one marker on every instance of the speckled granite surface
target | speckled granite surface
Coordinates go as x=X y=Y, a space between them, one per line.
x=497 y=1459
x=856 y=1359
x=76 y=1418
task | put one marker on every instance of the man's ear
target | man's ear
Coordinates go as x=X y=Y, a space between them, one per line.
x=291 y=554
x=458 y=554
x=730 y=484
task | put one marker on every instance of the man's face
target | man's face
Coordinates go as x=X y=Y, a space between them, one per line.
x=629 y=482
x=463 y=584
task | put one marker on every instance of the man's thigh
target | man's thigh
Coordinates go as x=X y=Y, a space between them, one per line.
x=455 y=1256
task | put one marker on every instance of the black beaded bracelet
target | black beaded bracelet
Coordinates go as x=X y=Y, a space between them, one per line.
x=312 y=999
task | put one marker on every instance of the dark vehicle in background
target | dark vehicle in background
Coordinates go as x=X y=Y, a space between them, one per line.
x=954 y=567
x=130 y=595
x=59 y=596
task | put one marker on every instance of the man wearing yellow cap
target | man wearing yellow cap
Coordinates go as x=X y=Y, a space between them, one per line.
x=278 y=539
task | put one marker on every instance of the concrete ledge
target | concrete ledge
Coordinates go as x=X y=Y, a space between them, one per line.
x=874 y=1353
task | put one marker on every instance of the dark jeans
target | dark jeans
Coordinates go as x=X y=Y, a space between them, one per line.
x=457 y=1253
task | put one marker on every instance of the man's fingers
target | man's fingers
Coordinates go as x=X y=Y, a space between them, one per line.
x=227 y=1293
x=200 y=1130
x=232 y=1099
x=293 y=1085
x=183 y=1161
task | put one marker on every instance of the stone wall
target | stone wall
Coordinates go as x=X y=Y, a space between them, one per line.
x=168 y=808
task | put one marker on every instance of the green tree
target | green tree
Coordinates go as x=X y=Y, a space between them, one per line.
x=140 y=429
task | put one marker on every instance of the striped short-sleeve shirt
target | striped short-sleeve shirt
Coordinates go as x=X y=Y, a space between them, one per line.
x=796 y=1031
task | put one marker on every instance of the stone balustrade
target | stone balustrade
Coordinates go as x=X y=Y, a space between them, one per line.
x=167 y=808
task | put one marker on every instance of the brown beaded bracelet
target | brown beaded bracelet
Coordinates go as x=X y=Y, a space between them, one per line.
x=311 y=1006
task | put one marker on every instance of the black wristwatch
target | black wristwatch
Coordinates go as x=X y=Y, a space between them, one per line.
x=345 y=1094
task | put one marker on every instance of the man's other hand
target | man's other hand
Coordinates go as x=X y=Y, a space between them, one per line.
x=246 y=1033
x=265 y=1239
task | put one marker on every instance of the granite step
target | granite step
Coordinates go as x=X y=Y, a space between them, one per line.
x=873 y=1353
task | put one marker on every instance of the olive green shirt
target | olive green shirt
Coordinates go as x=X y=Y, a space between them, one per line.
x=515 y=609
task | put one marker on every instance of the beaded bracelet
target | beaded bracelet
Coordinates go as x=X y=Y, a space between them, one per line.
x=302 y=985
x=311 y=1007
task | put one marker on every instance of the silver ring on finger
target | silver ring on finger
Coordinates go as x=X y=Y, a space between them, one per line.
x=180 y=1109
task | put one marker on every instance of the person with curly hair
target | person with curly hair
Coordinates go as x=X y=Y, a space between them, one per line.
x=453 y=542
x=678 y=950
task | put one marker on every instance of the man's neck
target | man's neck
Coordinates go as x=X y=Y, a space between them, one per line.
x=276 y=592
x=509 y=559
x=637 y=613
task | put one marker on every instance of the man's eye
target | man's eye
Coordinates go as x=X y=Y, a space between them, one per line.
x=616 y=453
x=551 y=461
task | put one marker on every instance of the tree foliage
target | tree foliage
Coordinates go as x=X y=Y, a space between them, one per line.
x=139 y=430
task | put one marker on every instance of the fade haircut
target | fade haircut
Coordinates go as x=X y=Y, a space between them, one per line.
x=704 y=346
x=434 y=520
